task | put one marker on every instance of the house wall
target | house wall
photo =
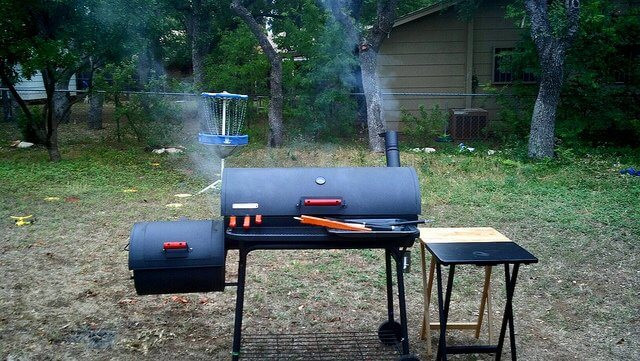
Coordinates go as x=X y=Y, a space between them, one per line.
x=430 y=55
x=423 y=56
x=490 y=30
x=26 y=87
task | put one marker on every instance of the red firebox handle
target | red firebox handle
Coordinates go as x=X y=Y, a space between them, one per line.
x=326 y=202
x=174 y=245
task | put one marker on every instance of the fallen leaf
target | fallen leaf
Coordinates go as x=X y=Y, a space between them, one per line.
x=71 y=199
x=155 y=164
x=130 y=190
x=51 y=199
x=127 y=301
x=179 y=299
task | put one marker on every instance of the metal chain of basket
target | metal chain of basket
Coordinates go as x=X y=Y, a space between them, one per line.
x=221 y=125
x=223 y=115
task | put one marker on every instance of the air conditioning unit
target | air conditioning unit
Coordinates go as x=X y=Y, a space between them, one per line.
x=467 y=124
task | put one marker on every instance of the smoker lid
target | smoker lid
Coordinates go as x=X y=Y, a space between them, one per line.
x=204 y=244
x=364 y=191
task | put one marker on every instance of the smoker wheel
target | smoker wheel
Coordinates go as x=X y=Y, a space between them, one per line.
x=390 y=333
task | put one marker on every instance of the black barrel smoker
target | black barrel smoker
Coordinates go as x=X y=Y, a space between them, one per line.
x=258 y=207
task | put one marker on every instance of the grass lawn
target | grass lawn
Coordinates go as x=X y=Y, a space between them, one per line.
x=65 y=291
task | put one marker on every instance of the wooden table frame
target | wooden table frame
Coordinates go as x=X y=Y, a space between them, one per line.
x=455 y=235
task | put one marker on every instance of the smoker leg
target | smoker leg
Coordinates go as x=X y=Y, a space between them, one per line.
x=237 y=328
x=401 y=303
x=390 y=331
x=387 y=261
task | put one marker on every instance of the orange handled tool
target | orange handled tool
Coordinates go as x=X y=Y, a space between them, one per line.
x=323 y=222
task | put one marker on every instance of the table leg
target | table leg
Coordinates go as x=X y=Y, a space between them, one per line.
x=484 y=300
x=489 y=309
x=443 y=310
x=510 y=282
x=402 y=304
x=237 y=328
x=425 y=296
x=427 y=287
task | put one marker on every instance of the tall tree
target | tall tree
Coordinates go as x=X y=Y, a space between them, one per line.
x=276 y=131
x=348 y=13
x=552 y=42
x=57 y=39
x=197 y=17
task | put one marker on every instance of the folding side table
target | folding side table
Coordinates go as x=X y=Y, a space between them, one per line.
x=456 y=235
x=481 y=254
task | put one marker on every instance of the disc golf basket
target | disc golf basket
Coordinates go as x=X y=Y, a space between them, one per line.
x=221 y=125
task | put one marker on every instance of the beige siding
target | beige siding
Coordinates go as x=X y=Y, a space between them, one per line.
x=429 y=55
x=491 y=30
x=423 y=56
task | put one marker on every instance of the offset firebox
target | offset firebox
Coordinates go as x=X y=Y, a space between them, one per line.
x=261 y=210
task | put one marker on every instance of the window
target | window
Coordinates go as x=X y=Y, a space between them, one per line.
x=500 y=77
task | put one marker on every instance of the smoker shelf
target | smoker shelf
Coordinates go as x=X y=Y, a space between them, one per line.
x=318 y=347
x=294 y=234
x=402 y=232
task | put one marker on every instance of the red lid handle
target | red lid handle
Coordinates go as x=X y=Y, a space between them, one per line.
x=174 y=245
x=326 y=202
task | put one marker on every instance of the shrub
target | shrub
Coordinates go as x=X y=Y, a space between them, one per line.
x=424 y=127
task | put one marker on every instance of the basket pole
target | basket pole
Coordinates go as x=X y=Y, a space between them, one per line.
x=224 y=116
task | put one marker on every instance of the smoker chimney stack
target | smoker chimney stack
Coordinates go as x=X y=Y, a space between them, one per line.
x=391 y=148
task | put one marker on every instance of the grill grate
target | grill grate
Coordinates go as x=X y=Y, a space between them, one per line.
x=318 y=347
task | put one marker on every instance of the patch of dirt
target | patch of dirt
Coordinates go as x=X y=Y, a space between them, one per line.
x=98 y=339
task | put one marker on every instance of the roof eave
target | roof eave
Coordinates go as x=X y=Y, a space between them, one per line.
x=415 y=15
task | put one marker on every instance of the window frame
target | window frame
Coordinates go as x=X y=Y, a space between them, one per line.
x=494 y=70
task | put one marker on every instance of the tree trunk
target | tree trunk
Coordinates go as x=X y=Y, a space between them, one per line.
x=361 y=103
x=347 y=15
x=50 y=119
x=198 y=27
x=96 y=101
x=62 y=101
x=552 y=50
x=34 y=129
x=276 y=131
x=373 y=97
x=52 y=146
x=197 y=60
x=542 y=135
x=7 y=109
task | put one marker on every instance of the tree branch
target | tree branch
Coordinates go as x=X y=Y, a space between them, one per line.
x=256 y=29
x=573 y=18
x=386 y=14
x=540 y=27
x=339 y=10
x=14 y=93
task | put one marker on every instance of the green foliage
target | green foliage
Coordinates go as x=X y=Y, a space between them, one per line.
x=318 y=88
x=25 y=123
x=150 y=119
x=423 y=128
x=237 y=66
x=602 y=76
